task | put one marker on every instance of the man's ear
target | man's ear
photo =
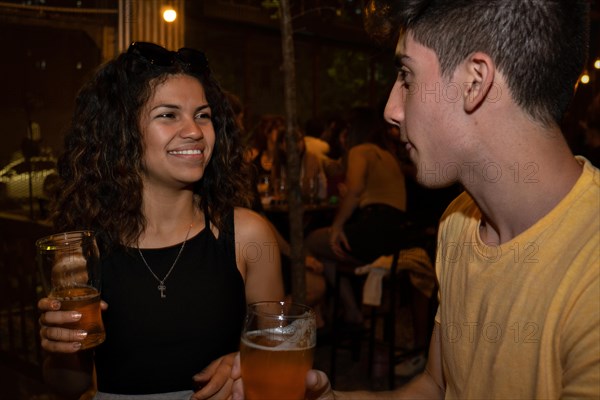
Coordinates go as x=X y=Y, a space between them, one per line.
x=479 y=71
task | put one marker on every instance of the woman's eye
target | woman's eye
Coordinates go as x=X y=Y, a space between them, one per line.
x=203 y=116
x=166 y=115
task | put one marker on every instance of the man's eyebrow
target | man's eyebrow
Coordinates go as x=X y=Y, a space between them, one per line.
x=400 y=60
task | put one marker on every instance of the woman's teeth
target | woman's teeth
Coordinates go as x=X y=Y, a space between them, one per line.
x=186 y=152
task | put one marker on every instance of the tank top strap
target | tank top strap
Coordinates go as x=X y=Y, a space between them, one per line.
x=226 y=240
x=207 y=220
x=227 y=234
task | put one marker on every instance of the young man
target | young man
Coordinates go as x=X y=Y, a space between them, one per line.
x=480 y=92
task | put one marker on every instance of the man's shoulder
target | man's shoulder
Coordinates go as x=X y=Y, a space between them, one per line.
x=463 y=204
x=584 y=197
x=591 y=176
x=461 y=217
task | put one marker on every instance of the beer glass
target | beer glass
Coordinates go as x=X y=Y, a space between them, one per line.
x=277 y=350
x=69 y=262
x=263 y=186
x=310 y=190
x=264 y=190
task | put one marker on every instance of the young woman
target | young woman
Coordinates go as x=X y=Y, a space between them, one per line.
x=153 y=165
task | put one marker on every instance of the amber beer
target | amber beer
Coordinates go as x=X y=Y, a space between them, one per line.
x=71 y=274
x=86 y=300
x=272 y=370
x=277 y=350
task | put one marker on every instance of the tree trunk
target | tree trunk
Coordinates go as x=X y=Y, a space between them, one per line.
x=293 y=157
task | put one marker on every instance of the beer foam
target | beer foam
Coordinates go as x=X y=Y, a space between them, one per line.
x=76 y=260
x=300 y=334
x=304 y=332
x=283 y=346
x=69 y=269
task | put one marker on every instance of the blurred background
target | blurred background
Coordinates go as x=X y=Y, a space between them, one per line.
x=51 y=46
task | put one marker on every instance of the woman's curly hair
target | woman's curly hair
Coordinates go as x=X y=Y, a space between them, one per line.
x=101 y=168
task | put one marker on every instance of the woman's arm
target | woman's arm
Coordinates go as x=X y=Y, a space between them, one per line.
x=284 y=246
x=70 y=375
x=258 y=260
x=356 y=176
x=66 y=369
x=257 y=254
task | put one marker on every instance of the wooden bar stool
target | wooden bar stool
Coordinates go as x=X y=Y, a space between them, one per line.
x=338 y=334
x=388 y=314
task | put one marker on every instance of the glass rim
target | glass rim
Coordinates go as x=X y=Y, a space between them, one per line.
x=63 y=240
x=301 y=309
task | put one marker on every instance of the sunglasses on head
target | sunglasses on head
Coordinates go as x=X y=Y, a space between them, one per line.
x=157 y=55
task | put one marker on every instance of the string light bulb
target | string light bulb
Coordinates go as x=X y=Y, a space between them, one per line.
x=585 y=78
x=597 y=63
x=169 y=14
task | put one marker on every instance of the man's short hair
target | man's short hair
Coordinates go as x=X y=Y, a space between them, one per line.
x=540 y=46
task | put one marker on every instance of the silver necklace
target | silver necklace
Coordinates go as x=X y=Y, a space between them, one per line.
x=161 y=282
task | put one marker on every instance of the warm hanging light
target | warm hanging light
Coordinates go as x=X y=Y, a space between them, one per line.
x=585 y=78
x=169 y=14
x=597 y=63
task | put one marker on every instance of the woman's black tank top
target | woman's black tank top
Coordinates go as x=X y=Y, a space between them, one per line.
x=154 y=344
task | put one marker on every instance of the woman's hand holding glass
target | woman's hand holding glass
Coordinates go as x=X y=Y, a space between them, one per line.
x=55 y=337
x=214 y=382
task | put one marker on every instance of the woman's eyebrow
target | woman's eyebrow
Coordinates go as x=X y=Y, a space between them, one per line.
x=175 y=106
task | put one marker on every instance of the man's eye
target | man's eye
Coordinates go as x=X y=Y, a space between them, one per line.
x=402 y=77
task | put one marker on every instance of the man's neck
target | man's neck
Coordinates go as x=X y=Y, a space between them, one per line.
x=521 y=183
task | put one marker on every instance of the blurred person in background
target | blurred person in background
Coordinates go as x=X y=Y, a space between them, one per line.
x=263 y=144
x=371 y=217
x=313 y=180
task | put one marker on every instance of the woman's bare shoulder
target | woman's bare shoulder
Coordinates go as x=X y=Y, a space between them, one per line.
x=243 y=214
x=249 y=223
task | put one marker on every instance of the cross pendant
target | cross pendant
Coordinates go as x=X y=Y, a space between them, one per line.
x=162 y=289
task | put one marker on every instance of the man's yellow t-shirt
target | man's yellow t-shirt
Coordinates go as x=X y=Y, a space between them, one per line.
x=522 y=320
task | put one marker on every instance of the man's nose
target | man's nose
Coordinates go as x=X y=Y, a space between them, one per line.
x=394 y=108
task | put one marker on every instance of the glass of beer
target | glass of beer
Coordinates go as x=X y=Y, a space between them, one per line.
x=69 y=262
x=277 y=350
